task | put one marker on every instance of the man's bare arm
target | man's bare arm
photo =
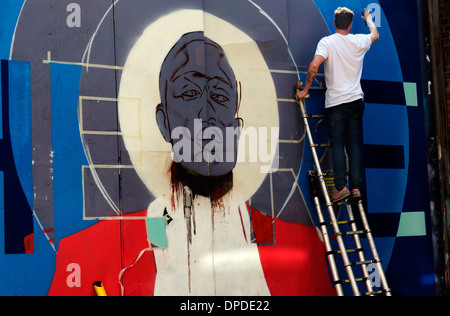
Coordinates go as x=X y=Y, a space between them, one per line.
x=374 y=35
x=311 y=76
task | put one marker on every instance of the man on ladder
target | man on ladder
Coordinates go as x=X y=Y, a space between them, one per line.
x=343 y=54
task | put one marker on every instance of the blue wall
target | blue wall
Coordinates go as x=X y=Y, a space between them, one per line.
x=47 y=155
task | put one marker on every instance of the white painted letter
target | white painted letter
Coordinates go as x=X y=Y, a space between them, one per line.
x=74 y=278
x=74 y=18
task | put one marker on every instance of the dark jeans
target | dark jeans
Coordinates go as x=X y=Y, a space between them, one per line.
x=344 y=123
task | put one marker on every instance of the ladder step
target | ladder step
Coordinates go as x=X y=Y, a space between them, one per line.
x=320 y=145
x=360 y=263
x=339 y=223
x=348 y=281
x=347 y=202
x=315 y=116
x=357 y=232
x=376 y=292
x=336 y=252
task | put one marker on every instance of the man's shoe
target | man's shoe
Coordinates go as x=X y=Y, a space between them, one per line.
x=341 y=195
x=356 y=196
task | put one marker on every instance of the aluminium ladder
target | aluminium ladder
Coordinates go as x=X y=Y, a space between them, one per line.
x=317 y=180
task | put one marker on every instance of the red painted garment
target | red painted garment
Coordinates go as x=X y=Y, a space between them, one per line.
x=295 y=265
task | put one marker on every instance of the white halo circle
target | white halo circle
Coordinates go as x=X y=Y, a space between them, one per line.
x=139 y=95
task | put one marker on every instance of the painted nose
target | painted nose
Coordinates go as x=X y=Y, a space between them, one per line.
x=208 y=114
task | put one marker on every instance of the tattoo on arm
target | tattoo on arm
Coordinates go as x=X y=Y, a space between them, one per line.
x=311 y=76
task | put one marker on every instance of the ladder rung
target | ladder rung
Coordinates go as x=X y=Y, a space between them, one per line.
x=321 y=145
x=357 y=232
x=360 y=263
x=335 y=252
x=347 y=202
x=339 y=223
x=375 y=292
x=348 y=281
x=315 y=116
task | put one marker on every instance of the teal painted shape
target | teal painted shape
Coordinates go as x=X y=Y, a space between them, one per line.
x=156 y=229
x=411 y=93
x=412 y=224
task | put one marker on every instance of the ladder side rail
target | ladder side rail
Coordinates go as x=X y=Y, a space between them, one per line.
x=361 y=255
x=373 y=248
x=328 y=248
x=339 y=238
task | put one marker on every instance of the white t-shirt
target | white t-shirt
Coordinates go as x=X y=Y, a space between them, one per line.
x=344 y=57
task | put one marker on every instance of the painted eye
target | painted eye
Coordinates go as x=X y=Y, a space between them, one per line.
x=190 y=94
x=220 y=98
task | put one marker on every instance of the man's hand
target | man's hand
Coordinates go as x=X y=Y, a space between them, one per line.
x=374 y=35
x=366 y=15
x=301 y=95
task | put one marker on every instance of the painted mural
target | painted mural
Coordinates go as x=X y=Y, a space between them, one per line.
x=156 y=146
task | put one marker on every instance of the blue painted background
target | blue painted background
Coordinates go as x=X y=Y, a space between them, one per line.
x=394 y=138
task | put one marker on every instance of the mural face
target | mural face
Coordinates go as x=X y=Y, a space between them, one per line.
x=192 y=95
x=169 y=155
